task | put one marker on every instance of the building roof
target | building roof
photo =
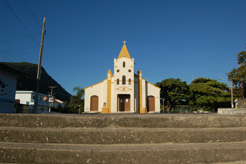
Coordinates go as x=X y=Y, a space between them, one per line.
x=53 y=99
x=29 y=92
x=124 y=52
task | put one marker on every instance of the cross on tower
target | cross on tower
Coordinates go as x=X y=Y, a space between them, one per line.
x=124 y=42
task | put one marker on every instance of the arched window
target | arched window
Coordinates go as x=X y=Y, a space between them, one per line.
x=129 y=81
x=118 y=81
x=123 y=79
x=124 y=64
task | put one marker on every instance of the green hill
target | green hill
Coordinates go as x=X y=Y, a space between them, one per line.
x=29 y=82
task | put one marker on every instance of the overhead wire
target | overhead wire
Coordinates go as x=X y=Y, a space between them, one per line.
x=15 y=38
x=21 y=22
x=70 y=60
x=144 y=57
x=5 y=57
x=69 y=40
x=18 y=49
x=61 y=94
x=33 y=14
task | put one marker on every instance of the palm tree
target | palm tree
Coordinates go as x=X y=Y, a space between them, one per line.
x=77 y=99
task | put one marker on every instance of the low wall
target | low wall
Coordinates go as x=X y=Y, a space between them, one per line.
x=231 y=110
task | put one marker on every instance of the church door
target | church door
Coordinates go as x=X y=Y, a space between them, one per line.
x=151 y=103
x=124 y=102
x=94 y=103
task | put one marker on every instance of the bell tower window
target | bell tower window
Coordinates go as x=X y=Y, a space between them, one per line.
x=123 y=79
x=118 y=81
x=124 y=64
x=129 y=81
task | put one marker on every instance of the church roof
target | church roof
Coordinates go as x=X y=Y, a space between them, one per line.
x=124 y=52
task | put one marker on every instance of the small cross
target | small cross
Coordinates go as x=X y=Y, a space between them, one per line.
x=124 y=42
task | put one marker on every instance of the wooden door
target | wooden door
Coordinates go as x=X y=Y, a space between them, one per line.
x=127 y=103
x=151 y=103
x=94 y=103
x=124 y=103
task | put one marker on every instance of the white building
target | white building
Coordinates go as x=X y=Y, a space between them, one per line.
x=56 y=103
x=28 y=98
x=8 y=82
x=123 y=91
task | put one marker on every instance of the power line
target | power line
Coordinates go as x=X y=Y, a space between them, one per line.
x=21 y=22
x=33 y=14
x=143 y=58
x=6 y=57
x=16 y=38
x=18 y=49
x=62 y=94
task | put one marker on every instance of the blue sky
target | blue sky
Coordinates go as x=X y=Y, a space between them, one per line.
x=167 y=39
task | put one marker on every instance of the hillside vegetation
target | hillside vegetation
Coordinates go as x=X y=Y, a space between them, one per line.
x=29 y=82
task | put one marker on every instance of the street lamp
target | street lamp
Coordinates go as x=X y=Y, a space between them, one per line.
x=232 y=105
x=163 y=100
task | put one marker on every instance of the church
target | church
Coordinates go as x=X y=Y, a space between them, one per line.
x=123 y=91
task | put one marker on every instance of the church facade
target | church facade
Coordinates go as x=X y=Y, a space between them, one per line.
x=123 y=91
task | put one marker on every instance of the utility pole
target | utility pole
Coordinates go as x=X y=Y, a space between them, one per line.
x=163 y=100
x=232 y=104
x=231 y=87
x=39 y=69
x=51 y=87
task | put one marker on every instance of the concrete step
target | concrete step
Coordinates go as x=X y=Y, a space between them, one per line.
x=121 y=135
x=123 y=120
x=134 y=153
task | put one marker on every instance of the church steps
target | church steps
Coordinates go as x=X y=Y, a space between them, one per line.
x=121 y=135
x=122 y=138
x=123 y=120
x=133 y=153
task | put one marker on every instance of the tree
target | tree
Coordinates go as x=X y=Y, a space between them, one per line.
x=208 y=93
x=174 y=90
x=238 y=75
x=76 y=101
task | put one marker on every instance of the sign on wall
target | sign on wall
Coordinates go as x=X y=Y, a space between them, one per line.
x=5 y=84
